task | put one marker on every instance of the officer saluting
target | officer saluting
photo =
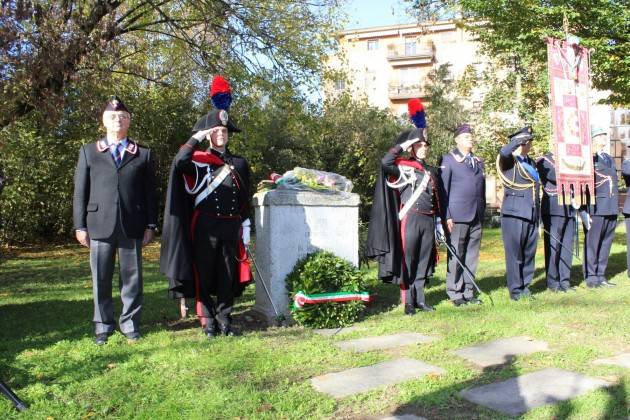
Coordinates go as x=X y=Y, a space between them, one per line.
x=519 y=211
x=206 y=219
x=464 y=198
x=558 y=219
x=603 y=207
x=405 y=215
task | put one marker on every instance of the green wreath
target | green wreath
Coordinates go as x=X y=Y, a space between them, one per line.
x=324 y=274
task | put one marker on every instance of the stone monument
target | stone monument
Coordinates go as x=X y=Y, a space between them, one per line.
x=292 y=224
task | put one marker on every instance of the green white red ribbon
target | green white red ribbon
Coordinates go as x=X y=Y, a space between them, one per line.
x=300 y=299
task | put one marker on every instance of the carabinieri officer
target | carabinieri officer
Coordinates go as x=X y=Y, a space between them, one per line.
x=519 y=211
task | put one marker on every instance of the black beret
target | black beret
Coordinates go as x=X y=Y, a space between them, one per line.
x=115 y=104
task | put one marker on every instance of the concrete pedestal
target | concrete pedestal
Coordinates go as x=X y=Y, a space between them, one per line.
x=293 y=224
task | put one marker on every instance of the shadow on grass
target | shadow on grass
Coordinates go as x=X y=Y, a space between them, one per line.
x=617 y=264
x=447 y=403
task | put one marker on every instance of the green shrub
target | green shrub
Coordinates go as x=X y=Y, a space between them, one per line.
x=323 y=272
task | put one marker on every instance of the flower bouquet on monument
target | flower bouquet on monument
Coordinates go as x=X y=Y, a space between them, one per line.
x=303 y=179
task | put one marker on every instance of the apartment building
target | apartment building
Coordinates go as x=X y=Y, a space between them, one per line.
x=390 y=64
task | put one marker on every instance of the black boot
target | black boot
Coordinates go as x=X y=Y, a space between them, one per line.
x=410 y=309
x=210 y=330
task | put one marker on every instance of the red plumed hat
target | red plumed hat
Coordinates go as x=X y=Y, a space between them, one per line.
x=221 y=93
x=416 y=113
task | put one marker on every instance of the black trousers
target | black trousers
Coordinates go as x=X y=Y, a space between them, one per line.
x=558 y=250
x=628 y=243
x=520 y=237
x=214 y=251
x=465 y=239
x=418 y=235
x=597 y=242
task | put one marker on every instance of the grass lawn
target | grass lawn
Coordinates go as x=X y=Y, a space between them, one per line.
x=49 y=359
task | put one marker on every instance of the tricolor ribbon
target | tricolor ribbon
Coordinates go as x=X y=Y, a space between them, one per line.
x=300 y=299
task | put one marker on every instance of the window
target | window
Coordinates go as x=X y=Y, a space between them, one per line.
x=340 y=84
x=410 y=46
x=409 y=77
x=372 y=44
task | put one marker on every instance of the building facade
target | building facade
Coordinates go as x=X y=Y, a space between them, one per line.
x=390 y=64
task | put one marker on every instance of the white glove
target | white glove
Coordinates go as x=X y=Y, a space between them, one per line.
x=439 y=229
x=586 y=219
x=246 y=226
x=407 y=144
x=201 y=135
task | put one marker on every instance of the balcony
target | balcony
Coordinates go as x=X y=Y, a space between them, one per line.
x=397 y=91
x=410 y=54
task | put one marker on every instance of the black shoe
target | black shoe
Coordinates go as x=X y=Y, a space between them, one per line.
x=593 y=285
x=474 y=301
x=556 y=289
x=210 y=330
x=132 y=337
x=410 y=310
x=607 y=283
x=425 y=308
x=459 y=302
x=568 y=289
x=228 y=331
x=101 y=339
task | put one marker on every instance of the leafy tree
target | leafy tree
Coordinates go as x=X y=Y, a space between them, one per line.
x=501 y=112
x=48 y=45
x=514 y=32
x=444 y=112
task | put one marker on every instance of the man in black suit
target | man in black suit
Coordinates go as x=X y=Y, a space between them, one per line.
x=464 y=198
x=558 y=219
x=115 y=210
x=519 y=211
x=603 y=207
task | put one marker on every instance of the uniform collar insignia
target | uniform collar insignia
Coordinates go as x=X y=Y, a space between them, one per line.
x=132 y=147
x=101 y=145
x=459 y=157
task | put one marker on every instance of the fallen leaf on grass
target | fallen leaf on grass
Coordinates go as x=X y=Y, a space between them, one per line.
x=264 y=407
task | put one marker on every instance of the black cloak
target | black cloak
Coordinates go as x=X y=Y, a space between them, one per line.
x=384 y=242
x=176 y=251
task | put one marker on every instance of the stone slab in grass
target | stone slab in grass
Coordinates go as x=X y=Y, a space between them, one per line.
x=384 y=342
x=404 y=417
x=329 y=332
x=518 y=395
x=501 y=351
x=622 y=360
x=357 y=380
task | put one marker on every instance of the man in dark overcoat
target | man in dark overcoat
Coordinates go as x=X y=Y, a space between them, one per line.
x=558 y=218
x=519 y=211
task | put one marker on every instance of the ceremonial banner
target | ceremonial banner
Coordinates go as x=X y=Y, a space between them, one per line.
x=568 y=65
